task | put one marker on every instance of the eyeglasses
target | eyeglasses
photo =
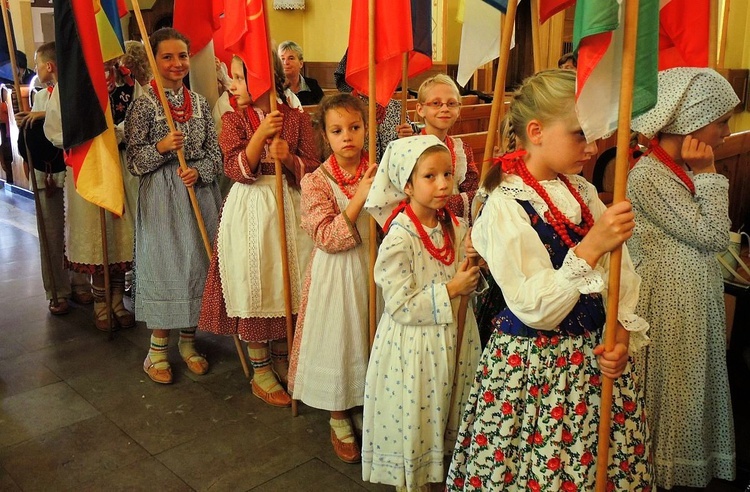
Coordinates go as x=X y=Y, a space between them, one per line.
x=439 y=104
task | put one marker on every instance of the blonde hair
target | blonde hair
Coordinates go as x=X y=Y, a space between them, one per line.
x=440 y=78
x=136 y=60
x=545 y=96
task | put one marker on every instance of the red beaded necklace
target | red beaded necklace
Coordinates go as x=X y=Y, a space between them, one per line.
x=553 y=215
x=183 y=112
x=444 y=255
x=451 y=148
x=667 y=160
x=342 y=181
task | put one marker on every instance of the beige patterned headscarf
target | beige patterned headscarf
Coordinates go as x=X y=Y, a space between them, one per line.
x=689 y=99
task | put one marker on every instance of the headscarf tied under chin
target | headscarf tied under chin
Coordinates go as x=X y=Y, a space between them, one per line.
x=688 y=99
x=396 y=166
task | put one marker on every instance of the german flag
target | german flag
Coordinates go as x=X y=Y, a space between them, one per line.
x=88 y=128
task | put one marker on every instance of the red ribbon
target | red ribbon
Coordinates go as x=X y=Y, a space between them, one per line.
x=399 y=208
x=126 y=74
x=509 y=160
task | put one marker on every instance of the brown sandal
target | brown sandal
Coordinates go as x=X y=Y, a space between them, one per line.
x=159 y=372
x=59 y=306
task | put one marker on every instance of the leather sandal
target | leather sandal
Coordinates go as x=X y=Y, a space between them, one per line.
x=82 y=297
x=123 y=317
x=159 y=372
x=348 y=452
x=279 y=398
x=61 y=307
x=100 y=316
x=197 y=364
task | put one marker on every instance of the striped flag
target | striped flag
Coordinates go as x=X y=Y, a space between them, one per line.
x=394 y=36
x=88 y=128
x=480 y=36
x=598 y=39
x=107 y=14
x=683 y=33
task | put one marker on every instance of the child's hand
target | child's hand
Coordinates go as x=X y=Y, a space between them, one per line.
x=271 y=124
x=279 y=149
x=363 y=188
x=613 y=228
x=613 y=363
x=470 y=251
x=172 y=142
x=698 y=155
x=464 y=282
x=189 y=176
x=405 y=130
x=25 y=119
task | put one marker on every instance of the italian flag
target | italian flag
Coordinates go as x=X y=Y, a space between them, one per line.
x=598 y=37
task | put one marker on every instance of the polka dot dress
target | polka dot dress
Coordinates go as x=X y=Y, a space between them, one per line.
x=674 y=248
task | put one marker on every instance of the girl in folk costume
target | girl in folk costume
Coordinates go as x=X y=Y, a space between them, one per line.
x=439 y=104
x=681 y=210
x=83 y=243
x=422 y=272
x=172 y=261
x=329 y=356
x=244 y=292
x=532 y=417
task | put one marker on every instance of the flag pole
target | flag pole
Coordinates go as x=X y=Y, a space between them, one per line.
x=372 y=136
x=280 y=208
x=404 y=85
x=535 y=41
x=615 y=259
x=713 y=31
x=42 y=226
x=105 y=268
x=37 y=203
x=724 y=31
x=181 y=157
x=497 y=112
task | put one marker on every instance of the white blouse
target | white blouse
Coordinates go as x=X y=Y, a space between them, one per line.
x=538 y=294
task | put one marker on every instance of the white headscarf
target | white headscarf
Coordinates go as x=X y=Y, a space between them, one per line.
x=395 y=168
x=689 y=99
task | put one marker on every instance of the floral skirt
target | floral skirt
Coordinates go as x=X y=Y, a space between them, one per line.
x=531 y=421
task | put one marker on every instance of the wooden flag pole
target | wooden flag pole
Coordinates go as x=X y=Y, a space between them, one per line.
x=713 y=33
x=39 y=214
x=723 y=38
x=535 y=35
x=42 y=222
x=498 y=106
x=615 y=259
x=404 y=86
x=372 y=136
x=280 y=208
x=181 y=158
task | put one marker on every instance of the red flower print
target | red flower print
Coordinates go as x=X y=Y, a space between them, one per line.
x=534 y=485
x=489 y=396
x=625 y=466
x=576 y=358
x=499 y=455
x=595 y=380
x=647 y=488
x=567 y=437
x=475 y=482
x=610 y=486
x=569 y=486
x=466 y=441
x=507 y=408
x=581 y=408
x=538 y=439
x=587 y=458
x=498 y=353
x=629 y=406
x=514 y=360
x=545 y=389
x=553 y=464
x=620 y=418
x=485 y=370
x=555 y=340
x=557 y=412
x=538 y=342
x=508 y=477
x=459 y=482
x=481 y=439
x=534 y=390
x=561 y=362
x=640 y=449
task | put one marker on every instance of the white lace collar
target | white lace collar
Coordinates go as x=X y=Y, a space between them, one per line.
x=513 y=187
